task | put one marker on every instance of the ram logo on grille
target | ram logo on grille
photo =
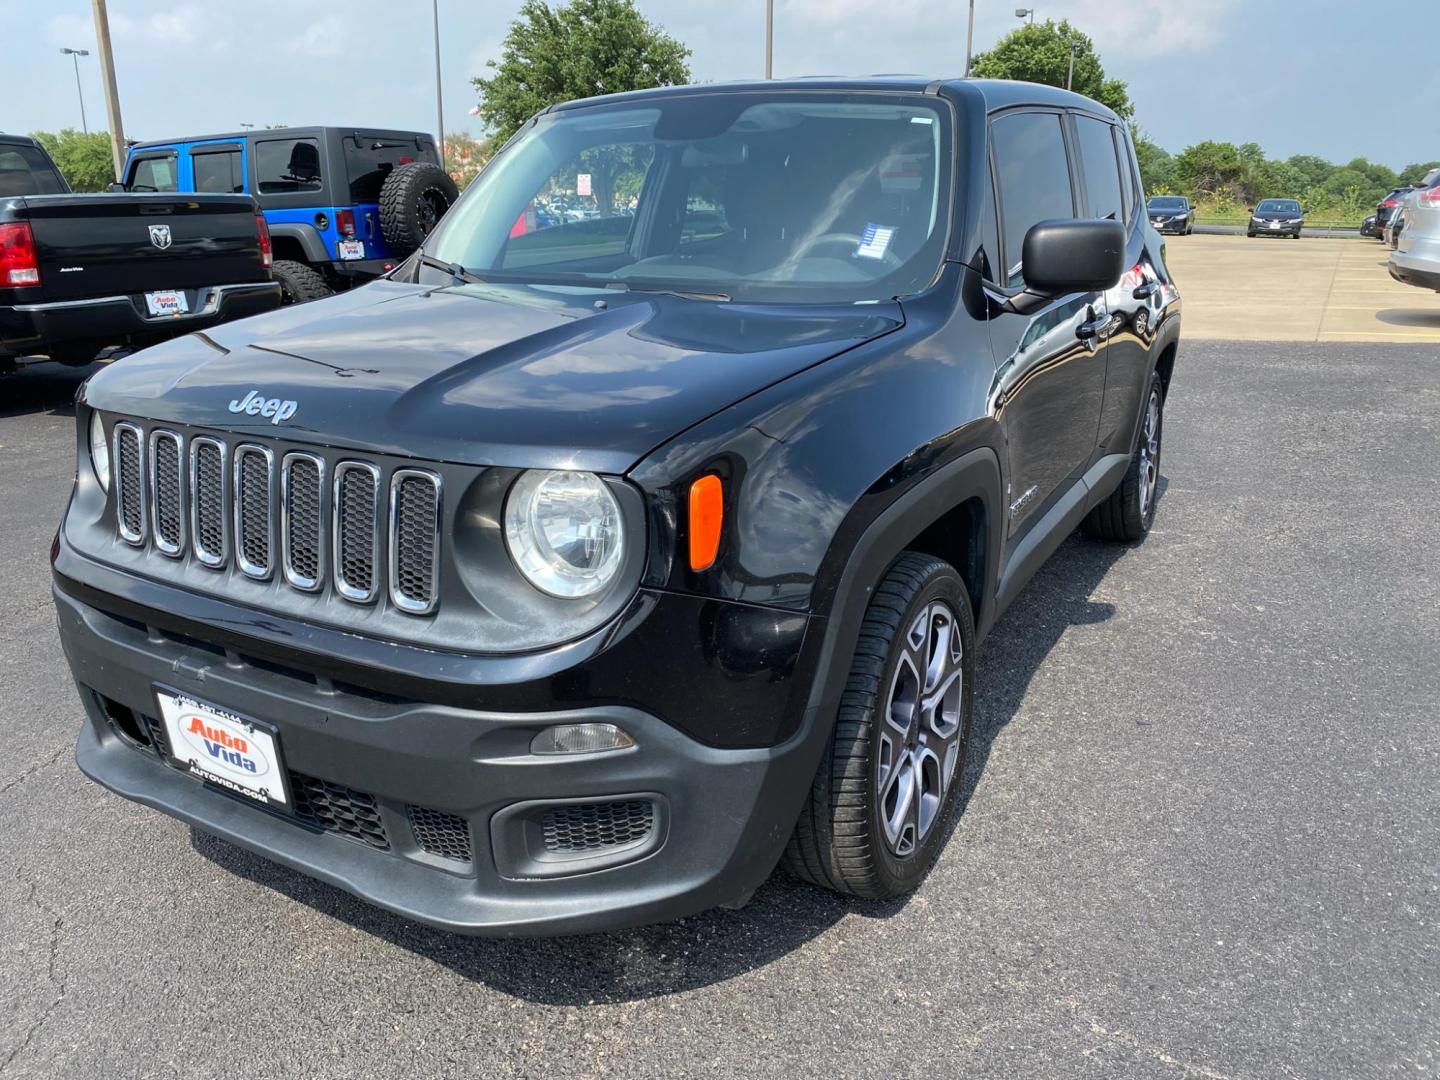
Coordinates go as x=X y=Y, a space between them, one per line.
x=291 y=520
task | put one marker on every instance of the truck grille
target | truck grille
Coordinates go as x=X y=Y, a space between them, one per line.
x=217 y=502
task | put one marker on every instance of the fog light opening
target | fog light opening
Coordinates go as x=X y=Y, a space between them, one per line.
x=580 y=739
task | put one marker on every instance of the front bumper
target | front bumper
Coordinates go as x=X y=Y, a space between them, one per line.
x=1170 y=225
x=112 y=320
x=718 y=819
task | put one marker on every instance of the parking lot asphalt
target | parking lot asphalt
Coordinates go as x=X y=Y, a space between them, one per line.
x=1200 y=840
x=1312 y=289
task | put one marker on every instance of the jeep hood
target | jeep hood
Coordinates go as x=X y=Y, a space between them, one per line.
x=485 y=374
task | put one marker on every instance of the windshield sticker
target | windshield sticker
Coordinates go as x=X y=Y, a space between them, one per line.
x=903 y=172
x=874 y=241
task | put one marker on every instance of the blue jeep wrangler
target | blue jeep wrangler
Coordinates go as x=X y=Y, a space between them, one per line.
x=343 y=204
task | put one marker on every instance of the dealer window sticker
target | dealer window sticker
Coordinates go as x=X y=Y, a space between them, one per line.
x=874 y=241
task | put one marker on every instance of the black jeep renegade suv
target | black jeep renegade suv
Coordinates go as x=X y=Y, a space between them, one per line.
x=599 y=558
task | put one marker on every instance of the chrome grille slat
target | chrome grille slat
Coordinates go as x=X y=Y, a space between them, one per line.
x=251 y=506
x=414 y=540
x=356 y=530
x=302 y=506
x=167 y=483
x=207 y=500
x=127 y=453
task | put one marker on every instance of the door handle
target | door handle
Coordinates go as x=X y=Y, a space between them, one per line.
x=1144 y=292
x=1089 y=332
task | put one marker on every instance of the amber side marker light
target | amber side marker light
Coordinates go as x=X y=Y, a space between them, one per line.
x=707 y=514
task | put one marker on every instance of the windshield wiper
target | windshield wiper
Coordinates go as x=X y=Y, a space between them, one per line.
x=686 y=294
x=460 y=275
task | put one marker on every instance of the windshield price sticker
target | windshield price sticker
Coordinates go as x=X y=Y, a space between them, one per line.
x=874 y=241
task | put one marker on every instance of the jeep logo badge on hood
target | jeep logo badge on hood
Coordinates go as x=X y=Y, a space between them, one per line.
x=277 y=410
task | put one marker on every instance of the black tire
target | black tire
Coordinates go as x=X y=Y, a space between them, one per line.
x=1251 y=235
x=841 y=840
x=414 y=198
x=1127 y=514
x=298 y=282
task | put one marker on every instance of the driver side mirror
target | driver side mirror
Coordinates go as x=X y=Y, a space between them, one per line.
x=1073 y=255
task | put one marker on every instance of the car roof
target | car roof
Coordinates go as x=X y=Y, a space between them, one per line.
x=996 y=93
x=285 y=132
x=18 y=140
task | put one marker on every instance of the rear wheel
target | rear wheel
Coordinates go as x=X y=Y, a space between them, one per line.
x=881 y=802
x=298 y=282
x=1130 y=510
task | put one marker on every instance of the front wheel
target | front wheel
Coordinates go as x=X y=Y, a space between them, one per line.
x=1127 y=514
x=881 y=801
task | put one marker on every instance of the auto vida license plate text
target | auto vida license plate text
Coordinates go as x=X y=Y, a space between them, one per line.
x=215 y=745
x=166 y=303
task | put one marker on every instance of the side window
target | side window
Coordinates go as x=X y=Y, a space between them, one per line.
x=1102 y=171
x=154 y=174
x=286 y=166
x=989 y=232
x=1127 y=172
x=581 y=212
x=1033 y=178
x=218 y=171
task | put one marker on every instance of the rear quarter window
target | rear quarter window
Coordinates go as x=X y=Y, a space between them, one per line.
x=286 y=166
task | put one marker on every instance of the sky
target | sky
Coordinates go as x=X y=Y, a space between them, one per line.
x=1291 y=76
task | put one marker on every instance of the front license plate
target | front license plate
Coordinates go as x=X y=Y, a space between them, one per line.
x=238 y=754
x=166 y=303
x=1274 y=225
x=352 y=249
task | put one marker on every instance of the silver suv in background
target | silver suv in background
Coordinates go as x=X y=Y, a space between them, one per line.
x=1416 y=258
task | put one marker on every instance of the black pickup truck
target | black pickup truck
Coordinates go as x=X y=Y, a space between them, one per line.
x=79 y=273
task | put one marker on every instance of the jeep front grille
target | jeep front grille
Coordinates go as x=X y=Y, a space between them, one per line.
x=242 y=504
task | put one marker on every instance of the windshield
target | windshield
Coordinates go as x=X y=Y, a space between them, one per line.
x=769 y=197
x=1167 y=202
x=1278 y=206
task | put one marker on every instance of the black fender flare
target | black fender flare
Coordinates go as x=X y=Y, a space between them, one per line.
x=974 y=474
x=308 y=238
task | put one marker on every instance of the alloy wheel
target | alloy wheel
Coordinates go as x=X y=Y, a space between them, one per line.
x=919 y=742
x=1150 y=453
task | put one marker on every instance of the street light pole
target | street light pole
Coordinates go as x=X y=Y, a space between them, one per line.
x=1070 y=76
x=439 y=107
x=969 y=38
x=770 y=38
x=1021 y=13
x=75 y=55
x=112 y=94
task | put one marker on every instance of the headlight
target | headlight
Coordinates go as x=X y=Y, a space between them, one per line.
x=99 y=451
x=564 y=532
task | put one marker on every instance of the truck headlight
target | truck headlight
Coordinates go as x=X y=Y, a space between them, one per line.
x=564 y=532
x=99 y=452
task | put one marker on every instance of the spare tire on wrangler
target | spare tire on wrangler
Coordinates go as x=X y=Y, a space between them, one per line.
x=414 y=198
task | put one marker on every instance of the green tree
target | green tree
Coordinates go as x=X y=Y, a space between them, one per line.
x=1040 y=52
x=1210 y=169
x=1414 y=173
x=574 y=50
x=84 y=160
x=1157 y=166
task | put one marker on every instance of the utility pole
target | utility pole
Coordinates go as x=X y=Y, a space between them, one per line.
x=969 y=38
x=439 y=107
x=769 y=39
x=75 y=55
x=1070 y=75
x=112 y=95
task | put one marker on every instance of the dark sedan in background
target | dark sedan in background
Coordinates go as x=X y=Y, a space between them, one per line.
x=1276 y=217
x=1171 y=214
